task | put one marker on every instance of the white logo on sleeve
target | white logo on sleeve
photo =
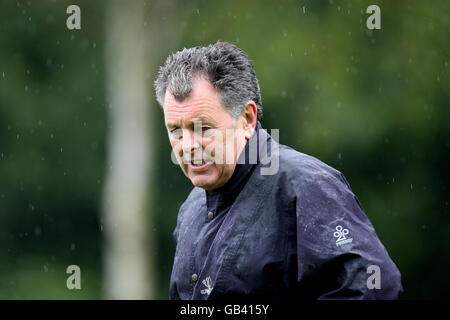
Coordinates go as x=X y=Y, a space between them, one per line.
x=341 y=234
x=208 y=284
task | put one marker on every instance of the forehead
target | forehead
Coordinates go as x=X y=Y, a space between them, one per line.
x=202 y=103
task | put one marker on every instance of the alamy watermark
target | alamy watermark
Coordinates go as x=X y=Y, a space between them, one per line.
x=73 y=22
x=374 y=20
x=374 y=280
x=220 y=147
x=74 y=280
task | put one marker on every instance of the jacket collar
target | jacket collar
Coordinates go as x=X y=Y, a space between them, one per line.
x=224 y=196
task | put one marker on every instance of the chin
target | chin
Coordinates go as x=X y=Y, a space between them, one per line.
x=206 y=180
x=202 y=183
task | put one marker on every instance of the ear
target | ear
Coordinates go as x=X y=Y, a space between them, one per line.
x=249 y=118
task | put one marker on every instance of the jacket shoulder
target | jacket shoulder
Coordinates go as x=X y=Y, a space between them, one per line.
x=300 y=168
x=194 y=199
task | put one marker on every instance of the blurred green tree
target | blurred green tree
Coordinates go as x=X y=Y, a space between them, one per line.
x=372 y=103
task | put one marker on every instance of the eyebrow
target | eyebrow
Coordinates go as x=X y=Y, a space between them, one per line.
x=171 y=125
x=203 y=120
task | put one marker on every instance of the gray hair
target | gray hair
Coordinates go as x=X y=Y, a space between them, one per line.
x=225 y=65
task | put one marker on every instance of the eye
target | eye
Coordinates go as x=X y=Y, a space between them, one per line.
x=208 y=132
x=176 y=132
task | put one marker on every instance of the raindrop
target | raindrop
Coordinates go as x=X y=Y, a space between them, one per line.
x=51 y=135
x=3 y=74
x=45 y=268
x=339 y=156
x=37 y=231
x=304 y=10
x=72 y=246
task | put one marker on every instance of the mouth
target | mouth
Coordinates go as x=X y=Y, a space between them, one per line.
x=197 y=165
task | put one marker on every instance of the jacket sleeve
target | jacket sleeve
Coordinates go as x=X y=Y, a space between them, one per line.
x=339 y=255
x=173 y=290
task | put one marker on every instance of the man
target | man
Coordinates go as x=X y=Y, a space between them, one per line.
x=295 y=230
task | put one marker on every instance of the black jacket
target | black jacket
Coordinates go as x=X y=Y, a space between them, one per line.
x=298 y=233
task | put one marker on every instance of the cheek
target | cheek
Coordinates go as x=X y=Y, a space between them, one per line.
x=177 y=151
x=223 y=150
x=208 y=147
x=176 y=146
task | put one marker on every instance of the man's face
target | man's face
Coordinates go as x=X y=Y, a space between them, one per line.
x=216 y=134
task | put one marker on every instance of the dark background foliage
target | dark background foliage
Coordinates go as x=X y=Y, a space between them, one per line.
x=372 y=104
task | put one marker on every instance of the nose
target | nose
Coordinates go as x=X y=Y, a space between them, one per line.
x=190 y=142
